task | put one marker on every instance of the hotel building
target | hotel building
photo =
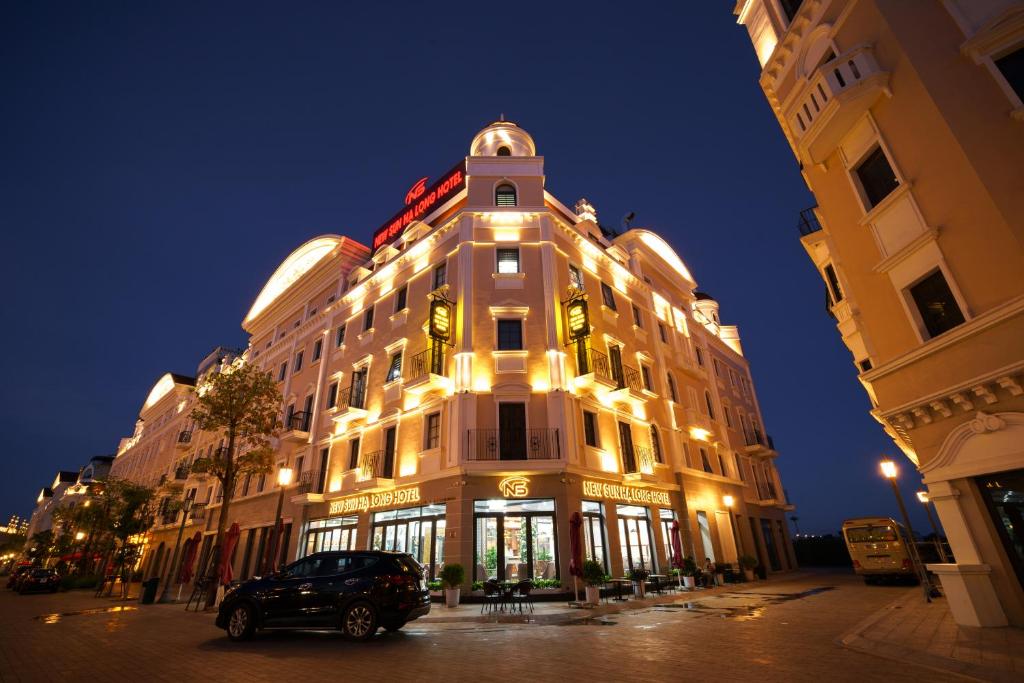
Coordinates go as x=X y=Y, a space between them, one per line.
x=907 y=120
x=495 y=363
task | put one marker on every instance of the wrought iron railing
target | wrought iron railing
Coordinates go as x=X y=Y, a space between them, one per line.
x=593 y=361
x=808 y=222
x=169 y=516
x=198 y=512
x=311 y=481
x=429 y=361
x=644 y=457
x=185 y=436
x=349 y=398
x=181 y=472
x=508 y=444
x=629 y=377
x=374 y=465
x=299 y=421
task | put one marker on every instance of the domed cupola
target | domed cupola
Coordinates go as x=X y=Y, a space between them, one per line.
x=502 y=139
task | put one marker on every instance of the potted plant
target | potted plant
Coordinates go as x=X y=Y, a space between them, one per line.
x=452 y=577
x=639 y=576
x=689 y=573
x=748 y=563
x=719 y=573
x=593 y=576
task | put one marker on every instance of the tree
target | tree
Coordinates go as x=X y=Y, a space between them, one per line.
x=123 y=511
x=242 y=404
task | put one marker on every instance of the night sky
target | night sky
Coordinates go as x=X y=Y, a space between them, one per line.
x=161 y=159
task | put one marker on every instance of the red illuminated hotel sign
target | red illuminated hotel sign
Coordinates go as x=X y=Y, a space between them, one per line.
x=419 y=201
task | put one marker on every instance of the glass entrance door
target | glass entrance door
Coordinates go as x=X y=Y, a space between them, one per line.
x=635 y=538
x=1004 y=497
x=515 y=540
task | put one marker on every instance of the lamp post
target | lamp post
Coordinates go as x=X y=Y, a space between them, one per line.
x=186 y=507
x=284 y=478
x=923 y=497
x=890 y=472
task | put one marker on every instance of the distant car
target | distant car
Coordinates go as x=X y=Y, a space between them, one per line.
x=39 y=580
x=354 y=591
x=16 y=574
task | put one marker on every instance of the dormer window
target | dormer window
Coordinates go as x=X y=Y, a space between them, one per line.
x=504 y=152
x=505 y=195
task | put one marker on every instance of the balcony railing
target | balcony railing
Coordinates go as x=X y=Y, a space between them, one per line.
x=198 y=512
x=645 y=459
x=376 y=465
x=509 y=444
x=808 y=222
x=184 y=437
x=299 y=421
x=627 y=377
x=181 y=472
x=311 y=481
x=428 y=361
x=349 y=398
x=593 y=361
x=169 y=517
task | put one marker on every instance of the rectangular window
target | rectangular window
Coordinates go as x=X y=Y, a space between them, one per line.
x=876 y=177
x=791 y=7
x=332 y=395
x=339 y=336
x=508 y=260
x=645 y=373
x=395 y=369
x=637 y=320
x=575 y=276
x=400 y=298
x=298 y=361
x=433 y=431
x=608 y=296
x=510 y=335
x=936 y=304
x=700 y=356
x=673 y=394
x=833 y=283
x=318 y=349
x=282 y=372
x=353 y=454
x=705 y=461
x=718 y=367
x=1011 y=66
x=440 y=276
x=662 y=333
x=590 y=428
x=368 y=319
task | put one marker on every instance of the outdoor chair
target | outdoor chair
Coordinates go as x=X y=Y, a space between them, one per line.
x=493 y=596
x=521 y=594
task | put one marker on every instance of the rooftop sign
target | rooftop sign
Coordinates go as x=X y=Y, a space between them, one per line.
x=419 y=201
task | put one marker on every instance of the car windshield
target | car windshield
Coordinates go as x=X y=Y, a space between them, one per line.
x=871 y=534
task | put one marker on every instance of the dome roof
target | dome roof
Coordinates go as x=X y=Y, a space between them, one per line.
x=502 y=138
x=703 y=296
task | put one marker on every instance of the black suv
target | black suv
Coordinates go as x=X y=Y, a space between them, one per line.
x=355 y=591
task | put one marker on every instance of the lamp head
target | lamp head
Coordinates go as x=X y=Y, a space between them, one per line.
x=888 y=468
x=284 y=476
x=923 y=496
x=728 y=500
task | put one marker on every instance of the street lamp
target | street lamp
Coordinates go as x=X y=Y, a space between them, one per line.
x=923 y=497
x=186 y=507
x=284 y=478
x=79 y=536
x=890 y=472
x=729 y=501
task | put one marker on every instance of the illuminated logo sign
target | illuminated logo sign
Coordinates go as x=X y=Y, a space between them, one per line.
x=374 y=501
x=627 y=494
x=578 y=319
x=416 y=191
x=419 y=201
x=440 y=320
x=514 y=487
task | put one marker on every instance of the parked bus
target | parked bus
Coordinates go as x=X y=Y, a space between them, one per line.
x=879 y=550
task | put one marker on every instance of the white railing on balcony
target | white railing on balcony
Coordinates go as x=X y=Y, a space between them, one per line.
x=828 y=81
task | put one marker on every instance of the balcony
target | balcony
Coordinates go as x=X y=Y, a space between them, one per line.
x=491 y=445
x=832 y=100
x=181 y=472
x=808 y=223
x=351 y=404
x=376 y=465
x=311 y=481
x=296 y=428
x=638 y=460
x=757 y=443
x=427 y=372
x=593 y=369
x=184 y=439
x=169 y=517
x=197 y=513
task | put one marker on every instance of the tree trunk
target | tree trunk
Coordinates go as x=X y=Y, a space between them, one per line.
x=222 y=522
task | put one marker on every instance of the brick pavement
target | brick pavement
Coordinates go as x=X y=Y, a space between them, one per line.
x=914 y=631
x=783 y=630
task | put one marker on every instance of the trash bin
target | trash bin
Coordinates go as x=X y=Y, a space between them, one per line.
x=149 y=587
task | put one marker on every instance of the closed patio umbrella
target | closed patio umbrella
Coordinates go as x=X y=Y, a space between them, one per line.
x=576 y=551
x=269 y=563
x=228 y=549
x=677 y=550
x=188 y=558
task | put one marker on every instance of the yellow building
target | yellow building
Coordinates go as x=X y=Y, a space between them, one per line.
x=493 y=365
x=907 y=119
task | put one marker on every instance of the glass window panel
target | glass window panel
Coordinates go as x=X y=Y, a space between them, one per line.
x=631 y=511
x=542 y=545
x=516 y=568
x=439 y=529
x=591 y=506
x=486 y=548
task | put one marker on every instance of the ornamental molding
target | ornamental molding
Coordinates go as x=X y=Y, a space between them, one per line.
x=990 y=442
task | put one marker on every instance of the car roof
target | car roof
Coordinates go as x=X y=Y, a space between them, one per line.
x=376 y=553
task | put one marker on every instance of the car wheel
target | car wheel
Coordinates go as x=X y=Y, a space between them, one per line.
x=241 y=622
x=359 y=621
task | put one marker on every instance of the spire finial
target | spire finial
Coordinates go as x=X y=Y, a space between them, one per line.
x=502 y=116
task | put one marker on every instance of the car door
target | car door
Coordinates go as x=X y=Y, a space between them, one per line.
x=286 y=597
x=321 y=601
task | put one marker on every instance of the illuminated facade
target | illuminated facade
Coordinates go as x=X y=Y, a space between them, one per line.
x=906 y=119
x=495 y=364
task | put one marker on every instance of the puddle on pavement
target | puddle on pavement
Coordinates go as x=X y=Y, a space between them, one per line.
x=57 y=616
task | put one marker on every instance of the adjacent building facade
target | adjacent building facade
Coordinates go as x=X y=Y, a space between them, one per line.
x=493 y=365
x=906 y=119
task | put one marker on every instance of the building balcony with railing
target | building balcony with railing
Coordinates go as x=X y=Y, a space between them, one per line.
x=427 y=371
x=823 y=108
x=492 y=445
x=181 y=472
x=296 y=426
x=376 y=465
x=311 y=481
x=351 y=404
x=184 y=439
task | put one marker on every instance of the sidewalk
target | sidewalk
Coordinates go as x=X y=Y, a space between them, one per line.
x=917 y=632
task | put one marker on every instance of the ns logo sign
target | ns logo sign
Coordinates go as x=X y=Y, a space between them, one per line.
x=514 y=487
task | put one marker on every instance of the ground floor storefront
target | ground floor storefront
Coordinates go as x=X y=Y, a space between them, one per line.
x=512 y=527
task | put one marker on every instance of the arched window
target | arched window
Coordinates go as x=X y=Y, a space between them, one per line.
x=656 y=444
x=672 y=389
x=505 y=195
x=711 y=407
x=504 y=152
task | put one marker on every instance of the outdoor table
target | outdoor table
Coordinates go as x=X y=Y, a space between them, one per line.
x=618 y=588
x=657 y=582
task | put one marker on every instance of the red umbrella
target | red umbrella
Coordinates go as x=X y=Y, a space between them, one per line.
x=576 y=550
x=269 y=559
x=228 y=549
x=677 y=545
x=188 y=558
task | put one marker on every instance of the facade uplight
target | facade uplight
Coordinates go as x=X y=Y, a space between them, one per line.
x=728 y=500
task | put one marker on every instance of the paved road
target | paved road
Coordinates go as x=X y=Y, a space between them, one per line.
x=774 y=631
